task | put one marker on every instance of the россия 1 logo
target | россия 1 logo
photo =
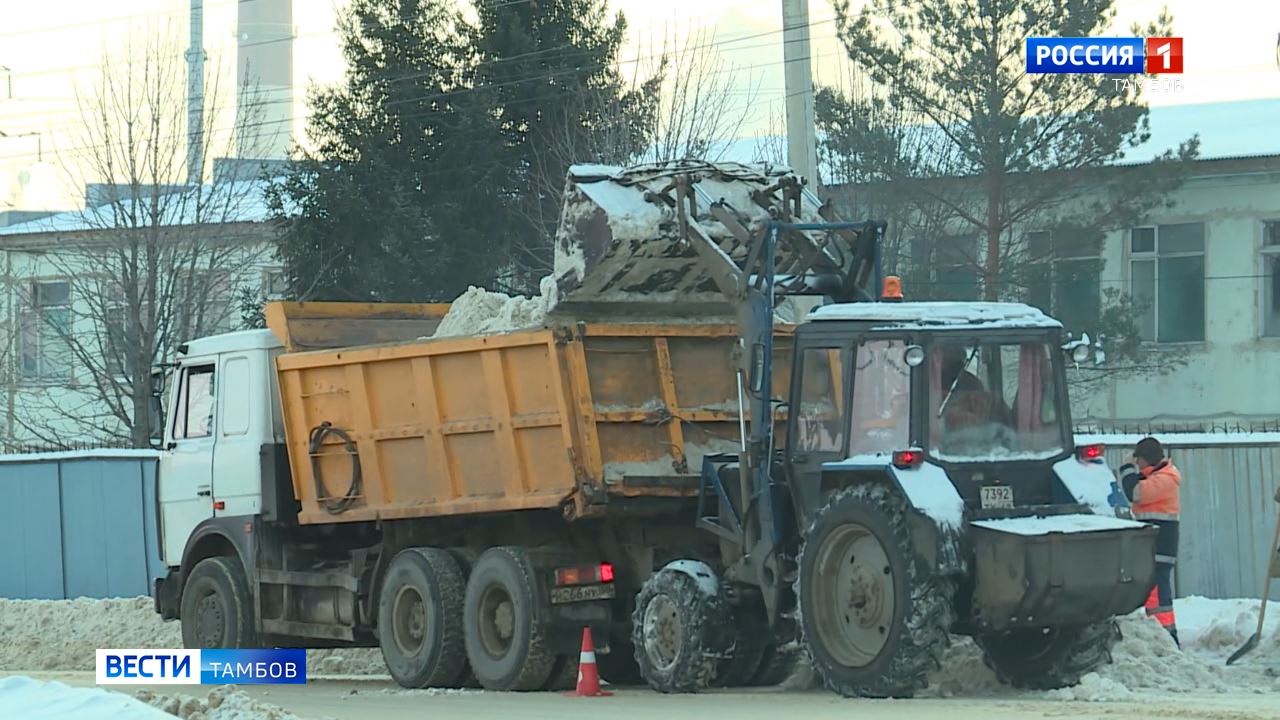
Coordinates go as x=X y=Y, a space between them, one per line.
x=276 y=666
x=1112 y=56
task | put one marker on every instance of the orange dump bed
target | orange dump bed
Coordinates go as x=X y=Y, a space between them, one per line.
x=566 y=419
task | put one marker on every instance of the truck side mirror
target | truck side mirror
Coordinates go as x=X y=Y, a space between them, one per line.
x=156 y=414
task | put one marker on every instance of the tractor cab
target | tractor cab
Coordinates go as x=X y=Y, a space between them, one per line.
x=976 y=389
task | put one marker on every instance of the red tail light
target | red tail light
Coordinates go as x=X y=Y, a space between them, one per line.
x=908 y=459
x=1090 y=453
x=585 y=574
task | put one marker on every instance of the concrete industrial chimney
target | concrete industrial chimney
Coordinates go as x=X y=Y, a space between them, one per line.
x=264 y=29
x=195 y=96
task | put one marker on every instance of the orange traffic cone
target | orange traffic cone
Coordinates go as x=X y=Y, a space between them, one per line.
x=588 y=675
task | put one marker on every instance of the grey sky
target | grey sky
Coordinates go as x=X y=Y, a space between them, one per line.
x=50 y=46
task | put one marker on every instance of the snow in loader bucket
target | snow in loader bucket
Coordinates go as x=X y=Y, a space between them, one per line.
x=1070 y=569
x=623 y=248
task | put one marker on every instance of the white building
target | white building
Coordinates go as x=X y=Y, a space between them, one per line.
x=63 y=310
x=1208 y=268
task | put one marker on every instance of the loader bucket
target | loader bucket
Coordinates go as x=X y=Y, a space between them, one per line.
x=621 y=249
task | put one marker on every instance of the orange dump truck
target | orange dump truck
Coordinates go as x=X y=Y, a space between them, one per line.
x=467 y=503
x=551 y=419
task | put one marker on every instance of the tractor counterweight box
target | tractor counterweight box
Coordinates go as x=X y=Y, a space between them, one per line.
x=1060 y=570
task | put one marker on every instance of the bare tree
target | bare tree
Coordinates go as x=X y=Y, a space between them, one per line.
x=156 y=260
x=683 y=101
x=704 y=102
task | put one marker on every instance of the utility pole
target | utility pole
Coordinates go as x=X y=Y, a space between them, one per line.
x=195 y=96
x=802 y=146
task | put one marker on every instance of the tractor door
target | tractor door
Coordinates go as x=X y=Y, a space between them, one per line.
x=818 y=422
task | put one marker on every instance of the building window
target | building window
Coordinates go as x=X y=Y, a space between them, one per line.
x=1063 y=277
x=46 y=328
x=114 y=317
x=208 y=297
x=1166 y=270
x=1271 y=278
x=955 y=270
x=275 y=284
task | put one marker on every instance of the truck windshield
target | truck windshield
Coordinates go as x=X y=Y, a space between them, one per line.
x=993 y=401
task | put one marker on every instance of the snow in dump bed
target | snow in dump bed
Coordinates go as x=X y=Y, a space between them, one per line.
x=1057 y=524
x=23 y=697
x=481 y=312
x=935 y=314
x=927 y=487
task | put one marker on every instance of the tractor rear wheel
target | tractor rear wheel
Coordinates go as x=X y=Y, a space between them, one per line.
x=872 y=622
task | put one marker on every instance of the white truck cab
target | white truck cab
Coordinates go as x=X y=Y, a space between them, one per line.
x=221 y=421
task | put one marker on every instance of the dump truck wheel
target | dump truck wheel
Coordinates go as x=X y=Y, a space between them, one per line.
x=217 y=609
x=750 y=641
x=775 y=667
x=618 y=666
x=674 y=630
x=419 y=611
x=564 y=673
x=1048 y=658
x=872 y=624
x=504 y=641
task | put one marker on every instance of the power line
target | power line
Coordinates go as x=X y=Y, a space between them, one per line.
x=535 y=77
x=116 y=19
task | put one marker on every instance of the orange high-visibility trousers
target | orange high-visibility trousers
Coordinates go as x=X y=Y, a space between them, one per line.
x=1159 y=603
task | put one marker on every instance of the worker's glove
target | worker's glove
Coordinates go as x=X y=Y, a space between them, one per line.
x=1129 y=479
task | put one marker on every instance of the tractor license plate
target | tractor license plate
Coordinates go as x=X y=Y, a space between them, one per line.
x=580 y=593
x=997 y=496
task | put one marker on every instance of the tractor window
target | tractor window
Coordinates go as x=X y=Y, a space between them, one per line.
x=819 y=416
x=993 y=402
x=880 y=415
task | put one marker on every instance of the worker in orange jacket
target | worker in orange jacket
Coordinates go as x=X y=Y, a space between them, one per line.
x=1153 y=486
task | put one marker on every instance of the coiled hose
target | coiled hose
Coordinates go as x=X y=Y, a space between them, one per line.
x=334 y=506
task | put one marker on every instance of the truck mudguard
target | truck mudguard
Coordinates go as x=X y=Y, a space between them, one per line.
x=701 y=573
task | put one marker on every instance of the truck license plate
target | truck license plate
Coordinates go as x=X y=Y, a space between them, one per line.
x=997 y=496
x=579 y=593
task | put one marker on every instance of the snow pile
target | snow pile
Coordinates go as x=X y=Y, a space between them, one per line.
x=63 y=634
x=963 y=673
x=23 y=697
x=1217 y=628
x=222 y=703
x=1093 y=687
x=1146 y=660
x=55 y=635
x=481 y=312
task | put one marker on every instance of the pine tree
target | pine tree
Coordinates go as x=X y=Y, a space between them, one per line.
x=1007 y=177
x=559 y=95
x=400 y=199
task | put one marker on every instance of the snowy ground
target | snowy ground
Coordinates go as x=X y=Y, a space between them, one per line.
x=54 y=640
